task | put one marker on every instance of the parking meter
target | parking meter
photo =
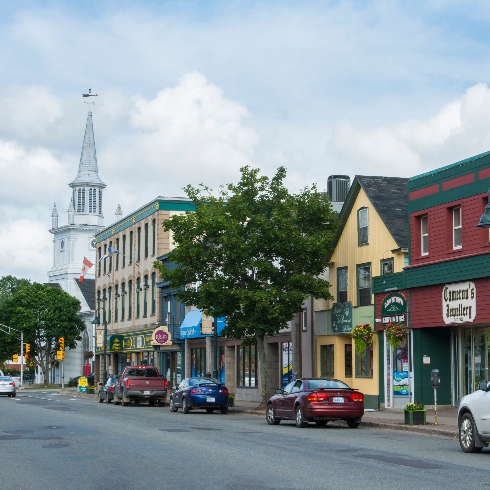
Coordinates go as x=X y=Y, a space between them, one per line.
x=434 y=377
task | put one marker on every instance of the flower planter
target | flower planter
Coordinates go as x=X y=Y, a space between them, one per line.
x=231 y=402
x=415 y=417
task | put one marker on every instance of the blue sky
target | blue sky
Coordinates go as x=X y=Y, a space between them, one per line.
x=192 y=91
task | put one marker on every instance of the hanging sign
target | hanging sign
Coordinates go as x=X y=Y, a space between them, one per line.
x=394 y=309
x=161 y=336
x=459 y=302
x=342 y=317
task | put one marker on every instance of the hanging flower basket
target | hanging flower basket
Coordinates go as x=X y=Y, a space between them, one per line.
x=363 y=337
x=395 y=333
x=88 y=354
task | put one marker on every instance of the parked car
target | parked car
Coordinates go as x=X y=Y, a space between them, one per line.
x=7 y=386
x=140 y=383
x=317 y=400
x=198 y=392
x=106 y=391
x=474 y=419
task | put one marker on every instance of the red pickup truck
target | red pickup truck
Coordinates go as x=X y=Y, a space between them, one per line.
x=140 y=383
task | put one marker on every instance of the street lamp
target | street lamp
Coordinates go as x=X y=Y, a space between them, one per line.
x=485 y=219
x=96 y=321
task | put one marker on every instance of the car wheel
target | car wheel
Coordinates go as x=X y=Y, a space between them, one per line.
x=353 y=423
x=210 y=410
x=107 y=398
x=125 y=401
x=9 y=395
x=321 y=423
x=224 y=410
x=300 y=421
x=14 y=395
x=116 y=400
x=467 y=431
x=172 y=407
x=185 y=407
x=100 y=398
x=269 y=415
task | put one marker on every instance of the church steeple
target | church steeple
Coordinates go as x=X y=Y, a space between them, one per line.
x=88 y=187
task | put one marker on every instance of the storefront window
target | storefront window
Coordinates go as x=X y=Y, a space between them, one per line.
x=247 y=356
x=198 y=361
x=327 y=360
x=364 y=363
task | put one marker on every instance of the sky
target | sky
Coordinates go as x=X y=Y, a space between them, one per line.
x=191 y=91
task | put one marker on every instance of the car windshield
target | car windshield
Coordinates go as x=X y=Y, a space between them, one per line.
x=202 y=381
x=5 y=378
x=317 y=384
x=146 y=373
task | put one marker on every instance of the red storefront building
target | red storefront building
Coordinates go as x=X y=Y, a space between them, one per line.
x=443 y=295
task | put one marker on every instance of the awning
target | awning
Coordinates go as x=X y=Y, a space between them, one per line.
x=191 y=326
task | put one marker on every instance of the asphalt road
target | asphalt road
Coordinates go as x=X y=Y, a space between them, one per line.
x=52 y=441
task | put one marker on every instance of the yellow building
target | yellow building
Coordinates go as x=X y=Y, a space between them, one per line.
x=372 y=240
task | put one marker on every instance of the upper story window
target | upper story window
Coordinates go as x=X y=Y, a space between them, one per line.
x=457 y=228
x=363 y=235
x=364 y=285
x=92 y=200
x=153 y=236
x=124 y=252
x=387 y=266
x=130 y=247
x=81 y=201
x=100 y=202
x=138 y=245
x=117 y=255
x=146 y=240
x=342 y=284
x=424 y=235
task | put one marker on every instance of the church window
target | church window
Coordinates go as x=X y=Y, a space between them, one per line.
x=100 y=202
x=81 y=201
x=92 y=200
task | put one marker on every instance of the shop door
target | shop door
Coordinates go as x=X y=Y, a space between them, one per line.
x=475 y=357
x=456 y=367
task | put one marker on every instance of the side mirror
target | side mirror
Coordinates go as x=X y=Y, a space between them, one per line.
x=482 y=385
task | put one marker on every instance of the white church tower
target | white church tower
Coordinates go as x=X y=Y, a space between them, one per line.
x=74 y=241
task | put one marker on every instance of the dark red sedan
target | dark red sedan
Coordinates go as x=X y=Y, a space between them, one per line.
x=316 y=400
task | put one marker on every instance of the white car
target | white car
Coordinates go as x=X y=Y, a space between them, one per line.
x=474 y=419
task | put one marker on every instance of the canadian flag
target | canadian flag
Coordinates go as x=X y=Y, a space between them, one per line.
x=86 y=265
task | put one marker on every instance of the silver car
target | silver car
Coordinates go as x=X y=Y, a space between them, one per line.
x=7 y=386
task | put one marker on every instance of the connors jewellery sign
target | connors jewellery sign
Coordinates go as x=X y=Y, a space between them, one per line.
x=459 y=302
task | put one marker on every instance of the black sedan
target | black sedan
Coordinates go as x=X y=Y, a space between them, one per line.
x=200 y=393
x=106 y=391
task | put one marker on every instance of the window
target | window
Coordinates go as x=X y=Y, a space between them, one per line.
x=153 y=293
x=104 y=300
x=198 y=361
x=138 y=245
x=130 y=247
x=109 y=299
x=92 y=200
x=100 y=202
x=364 y=363
x=124 y=252
x=99 y=268
x=457 y=228
x=341 y=284
x=153 y=236
x=116 y=301
x=138 y=289
x=363 y=285
x=362 y=219
x=247 y=357
x=387 y=266
x=130 y=300
x=123 y=300
x=424 y=234
x=117 y=255
x=110 y=257
x=348 y=360
x=146 y=240
x=145 y=296
x=327 y=360
x=105 y=265
x=304 y=321
x=81 y=201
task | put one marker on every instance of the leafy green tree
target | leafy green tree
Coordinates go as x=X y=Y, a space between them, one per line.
x=10 y=285
x=44 y=313
x=255 y=251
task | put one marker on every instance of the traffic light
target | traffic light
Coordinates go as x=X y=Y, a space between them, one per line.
x=61 y=341
x=15 y=358
x=60 y=355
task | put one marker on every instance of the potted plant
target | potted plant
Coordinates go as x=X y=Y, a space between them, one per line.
x=88 y=354
x=415 y=413
x=363 y=337
x=395 y=333
x=231 y=399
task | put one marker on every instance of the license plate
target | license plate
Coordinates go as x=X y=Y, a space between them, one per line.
x=338 y=399
x=210 y=399
x=146 y=392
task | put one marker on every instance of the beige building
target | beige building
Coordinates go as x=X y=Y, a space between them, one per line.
x=126 y=291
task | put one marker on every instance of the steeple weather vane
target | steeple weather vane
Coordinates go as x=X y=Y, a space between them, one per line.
x=90 y=94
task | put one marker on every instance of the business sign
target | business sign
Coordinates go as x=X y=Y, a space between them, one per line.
x=394 y=309
x=459 y=302
x=161 y=336
x=342 y=317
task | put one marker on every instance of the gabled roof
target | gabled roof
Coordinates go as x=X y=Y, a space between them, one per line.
x=87 y=287
x=389 y=197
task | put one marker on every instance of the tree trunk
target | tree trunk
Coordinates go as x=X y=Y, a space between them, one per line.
x=264 y=378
